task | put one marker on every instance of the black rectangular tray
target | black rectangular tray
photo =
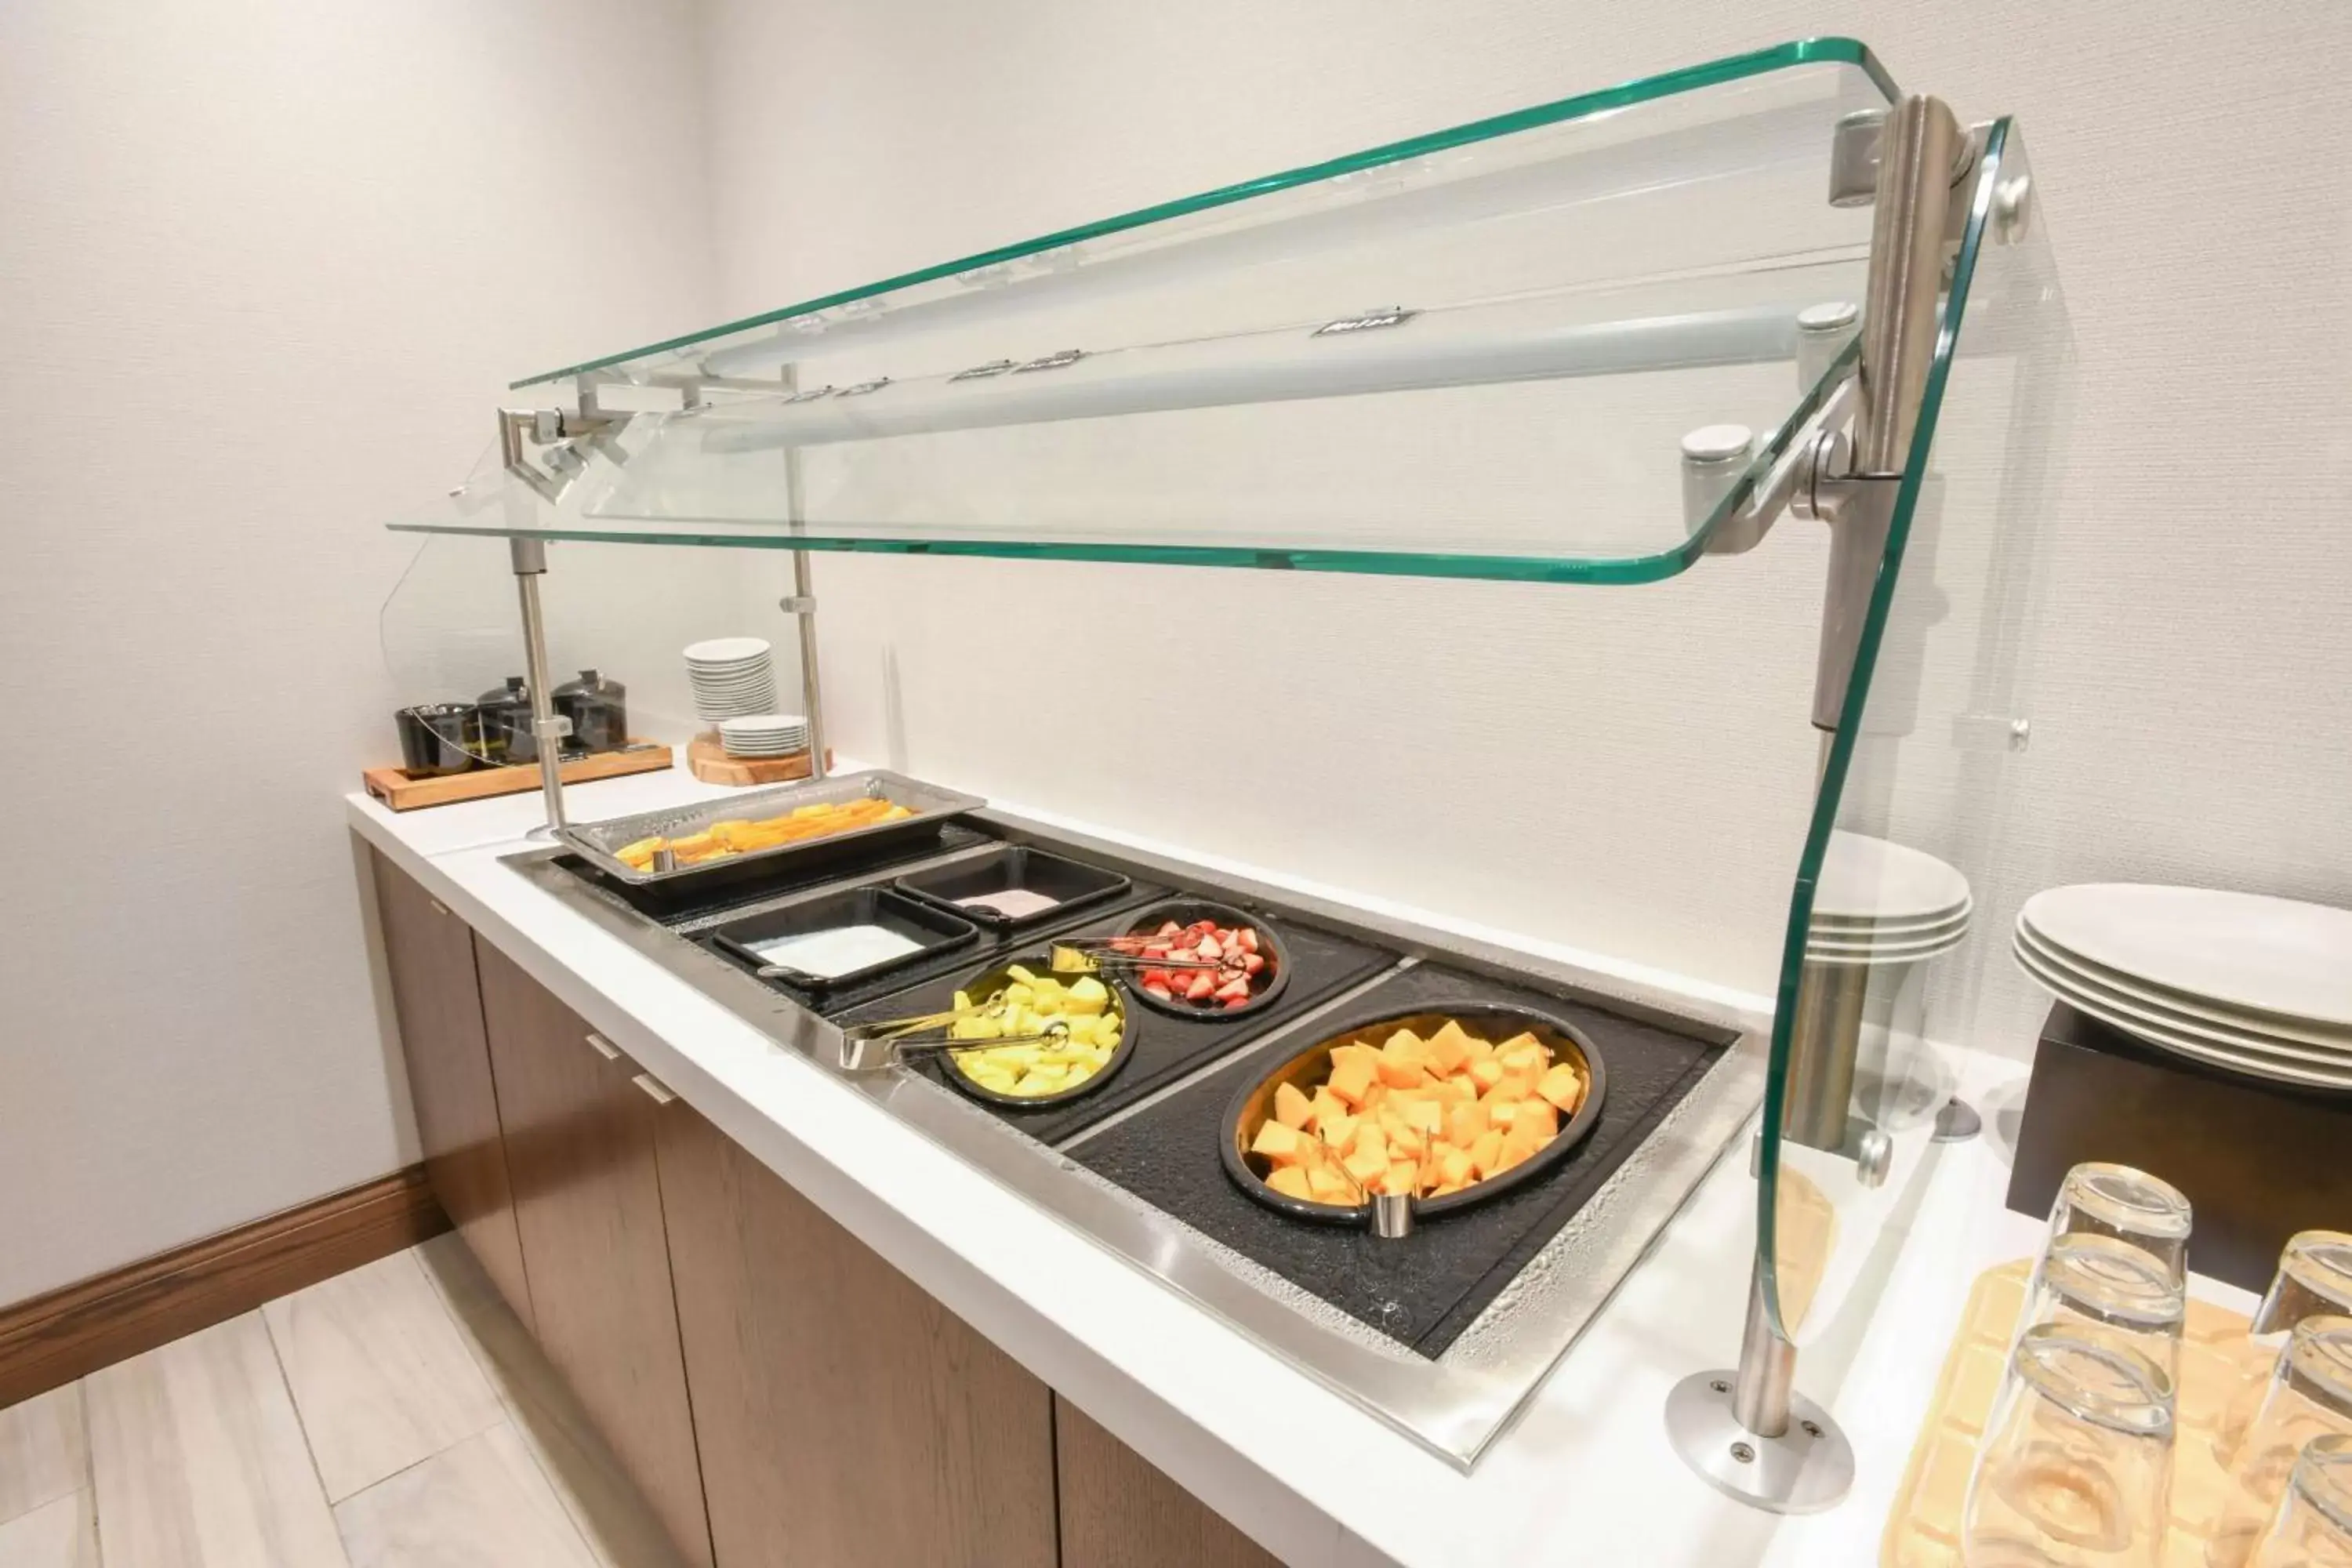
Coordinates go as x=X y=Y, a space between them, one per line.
x=935 y=932
x=1322 y=962
x=680 y=908
x=1423 y=1289
x=1078 y=887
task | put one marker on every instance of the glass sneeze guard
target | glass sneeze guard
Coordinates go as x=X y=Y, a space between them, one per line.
x=1317 y=369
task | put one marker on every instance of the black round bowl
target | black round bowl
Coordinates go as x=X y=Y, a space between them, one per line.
x=991 y=981
x=1254 y=1104
x=1185 y=911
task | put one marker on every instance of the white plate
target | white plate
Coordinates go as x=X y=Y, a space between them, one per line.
x=2323 y=1057
x=1903 y=932
x=1869 y=879
x=727 y=651
x=2264 y=1027
x=2261 y=1063
x=1850 y=925
x=2244 y=950
x=1847 y=954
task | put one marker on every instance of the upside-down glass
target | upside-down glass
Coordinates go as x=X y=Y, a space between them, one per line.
x=2076 y=1467
x=2100 y=1199
x=2111 y=1292
x=2309 y=1396
x=2313 y=1527
x=2315 y=1276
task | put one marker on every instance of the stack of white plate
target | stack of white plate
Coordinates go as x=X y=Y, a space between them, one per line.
x=1878 y=902
x=2258 y=984
x=731 y=676
x=765 y=735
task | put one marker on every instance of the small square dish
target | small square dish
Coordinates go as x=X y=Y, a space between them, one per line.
x=1013 y=889
x=841 y=940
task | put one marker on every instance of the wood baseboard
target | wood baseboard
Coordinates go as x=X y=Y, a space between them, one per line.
x=48 y=1341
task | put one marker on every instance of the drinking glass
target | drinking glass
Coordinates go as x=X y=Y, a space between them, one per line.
x=2309 y=1396
x=2099 y=1199
x=2076 y=1470
x=2112 y=1291
x=2315 y=1276
x=2313 y=1527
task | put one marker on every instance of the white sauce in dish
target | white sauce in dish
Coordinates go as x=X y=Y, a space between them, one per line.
x=1013 y=903
x=844 y=950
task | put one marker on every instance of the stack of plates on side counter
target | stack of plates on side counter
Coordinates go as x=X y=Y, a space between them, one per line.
x=731 y=676
x=765 y=735
x=2256 y=985
x=1878 y=902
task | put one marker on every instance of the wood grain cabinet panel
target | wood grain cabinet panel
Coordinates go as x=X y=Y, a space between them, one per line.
x=429 y=955
x=846 y=1418
x=588 y=1201
x=1120 y=1510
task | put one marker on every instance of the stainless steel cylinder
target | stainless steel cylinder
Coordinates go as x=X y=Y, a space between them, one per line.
x=1824 y=1041
x=530 y=559
x=1768 y=1367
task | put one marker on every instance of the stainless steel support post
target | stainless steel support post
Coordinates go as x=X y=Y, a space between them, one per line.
x=802 y=606
x=529 y=557
x=1748 y=1432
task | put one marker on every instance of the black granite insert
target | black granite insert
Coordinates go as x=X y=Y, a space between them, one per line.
x=1424 y=1290
x=1322 y=962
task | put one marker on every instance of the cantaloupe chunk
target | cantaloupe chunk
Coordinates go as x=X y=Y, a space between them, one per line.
x=1454 y=1166
x=1403 y=1176
x=1486 y=1072
x=1563 y=1086
x=1487 y=1154
x=1368 y=1166
x=1355 y=1052
x=1541 y=1112
x=1403 y=1139
x=1464 y=1122
x=1474 y=1050
x=1503 y=1113
x=1422 y=1113
x=1291 y=1182
x=1446 y=1189
x=1405 y=1046
x=1292 y=1109
x=1399 y=1074
x=1335 y=1130
x=1448 y=1048
x=1323 y=1106
x=1524 y=1047
x=1278 y=1143
x=1352 y=1080
x=1370 y=1142
x=1327 y=1185
x=1523 y=1140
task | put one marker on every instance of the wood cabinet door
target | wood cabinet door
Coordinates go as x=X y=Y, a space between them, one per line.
x=588 y=1202
x=1120 y=1510
x=429 y=954
x=846 y=1418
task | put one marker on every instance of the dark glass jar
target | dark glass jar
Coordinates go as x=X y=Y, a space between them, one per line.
x=506 y=723
x=598 y=711
x=439 y=738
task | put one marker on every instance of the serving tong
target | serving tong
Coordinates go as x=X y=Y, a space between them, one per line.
x=1100 y=950
x=878 y=1046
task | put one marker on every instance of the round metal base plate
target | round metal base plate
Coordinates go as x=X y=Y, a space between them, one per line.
x=1806 y=1470
x=1957 y=1121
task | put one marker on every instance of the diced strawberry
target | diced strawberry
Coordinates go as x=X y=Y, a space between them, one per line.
x=1159 y=991
x=1252 y=963
x=1202 y=986
x=1170 y=929
x=1232 y=988
x=1209 y=949
x=1155 y=950
x=1249 y=939
x=1241 y=1001
x=1151 y=977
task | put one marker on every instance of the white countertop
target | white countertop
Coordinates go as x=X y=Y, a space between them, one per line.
x=1584 y=1476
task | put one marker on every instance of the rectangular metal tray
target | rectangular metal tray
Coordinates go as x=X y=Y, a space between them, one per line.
x=931 y=804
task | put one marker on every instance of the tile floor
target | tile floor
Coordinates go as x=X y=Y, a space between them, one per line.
x=396 y=1416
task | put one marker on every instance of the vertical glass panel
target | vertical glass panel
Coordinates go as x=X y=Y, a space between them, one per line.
x=1895 y=943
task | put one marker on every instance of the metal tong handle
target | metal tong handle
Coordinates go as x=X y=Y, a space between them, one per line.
x=895 y=1031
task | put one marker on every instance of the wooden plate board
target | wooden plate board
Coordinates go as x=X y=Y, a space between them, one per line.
x=403 y=792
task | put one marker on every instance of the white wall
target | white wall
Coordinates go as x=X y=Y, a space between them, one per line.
x=1628 y=772
x=263 y=269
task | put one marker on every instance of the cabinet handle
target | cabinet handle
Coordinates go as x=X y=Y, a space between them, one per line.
x=604 y=1047
x=647 y=1082
x=438 y=907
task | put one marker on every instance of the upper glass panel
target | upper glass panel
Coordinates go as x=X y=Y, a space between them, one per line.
x=1475 y=354
x=996 y=281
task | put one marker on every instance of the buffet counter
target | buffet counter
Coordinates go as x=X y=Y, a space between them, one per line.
x=1585 y=1474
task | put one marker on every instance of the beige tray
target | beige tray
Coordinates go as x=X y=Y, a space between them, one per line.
x=2216 y=1362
